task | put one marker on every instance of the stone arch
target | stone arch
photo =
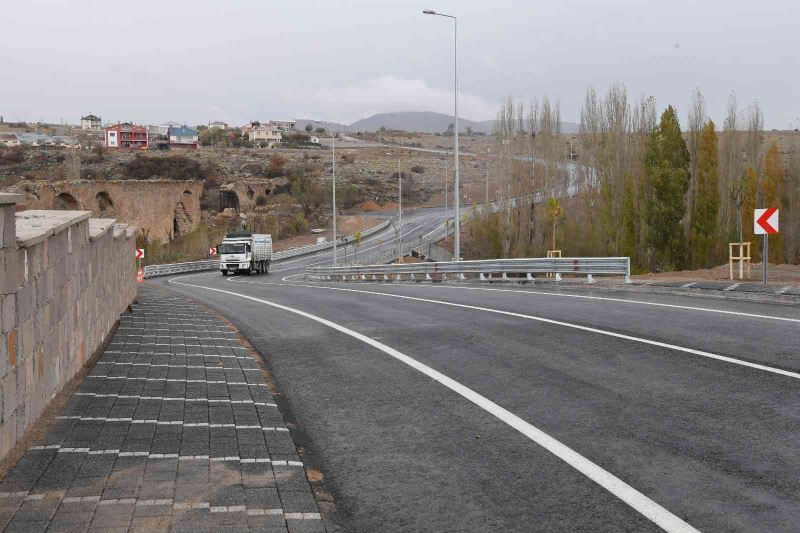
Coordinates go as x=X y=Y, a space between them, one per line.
x=187 y=196
x=65 y=201
x=228 y=198
x=105 y=206
x=250 y=193
x=181 y=221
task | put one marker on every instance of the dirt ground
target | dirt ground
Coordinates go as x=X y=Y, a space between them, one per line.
x=345 y=225
x=777 y=274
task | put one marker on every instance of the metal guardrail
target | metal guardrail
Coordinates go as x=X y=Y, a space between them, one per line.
x=484 y=269
x=151 y=271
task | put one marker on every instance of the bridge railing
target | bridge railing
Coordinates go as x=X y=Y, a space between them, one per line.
x=483 y=269
x=151 y=271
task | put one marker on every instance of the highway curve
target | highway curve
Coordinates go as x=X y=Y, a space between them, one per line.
x=455 y=408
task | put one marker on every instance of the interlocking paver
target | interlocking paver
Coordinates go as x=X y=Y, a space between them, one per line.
x=174 y=429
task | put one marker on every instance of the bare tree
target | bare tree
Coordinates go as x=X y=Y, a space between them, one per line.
x=697 y=117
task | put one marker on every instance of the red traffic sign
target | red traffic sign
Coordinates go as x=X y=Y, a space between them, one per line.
x=765 y=221
x=212 y=251
x=139 y=275
x=140 y=253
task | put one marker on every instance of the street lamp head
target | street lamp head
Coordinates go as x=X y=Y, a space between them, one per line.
x=430 y=12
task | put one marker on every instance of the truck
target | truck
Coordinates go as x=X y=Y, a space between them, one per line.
x=242 y=252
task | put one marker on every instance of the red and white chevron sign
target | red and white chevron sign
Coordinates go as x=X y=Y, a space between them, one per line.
x=765 y=221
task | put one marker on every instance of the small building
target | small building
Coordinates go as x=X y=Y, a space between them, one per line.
x=283 y=125
x=90 y=122
x=269 y=135
x=250 y=126
x=183 y=137
x=218 y=124
x=313 y=140
x=9 y=139
x=125 y=135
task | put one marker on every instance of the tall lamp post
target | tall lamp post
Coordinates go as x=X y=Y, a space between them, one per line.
x=333 y=170
x=456 y=187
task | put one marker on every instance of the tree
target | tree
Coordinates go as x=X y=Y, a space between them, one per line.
x=705 y=211
x=746 y=199
x=697 y=117
x=554 y=213
x=771 y=195
x=309 y=128
x=276 y=166
x=667 y=169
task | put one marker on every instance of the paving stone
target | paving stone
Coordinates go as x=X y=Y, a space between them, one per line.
x=119 y=479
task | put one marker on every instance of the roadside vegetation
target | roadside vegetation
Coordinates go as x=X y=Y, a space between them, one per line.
x=638 y=186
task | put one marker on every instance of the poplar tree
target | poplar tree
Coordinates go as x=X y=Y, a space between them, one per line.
x=771 y=189
x=706 y=201
x=667 y=170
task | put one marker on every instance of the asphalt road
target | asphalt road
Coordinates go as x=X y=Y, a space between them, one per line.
x=416 y=223
x=454 y=408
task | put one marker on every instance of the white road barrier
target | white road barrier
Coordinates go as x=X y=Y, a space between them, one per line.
x=491 y=269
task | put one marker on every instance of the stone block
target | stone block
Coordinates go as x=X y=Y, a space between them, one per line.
x=9 y=225
x=14 y=273
x=11 y=347
x=9 y=385
x=8 y=312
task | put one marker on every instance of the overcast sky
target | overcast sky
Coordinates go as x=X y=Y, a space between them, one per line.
x=236 y=60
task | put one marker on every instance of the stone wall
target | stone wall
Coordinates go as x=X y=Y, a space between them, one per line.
x=64 y=281
x=161 y=208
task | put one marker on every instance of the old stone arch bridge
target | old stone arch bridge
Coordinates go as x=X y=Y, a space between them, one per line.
x=164 y=209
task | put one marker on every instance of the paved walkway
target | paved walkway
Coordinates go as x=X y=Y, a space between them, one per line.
x=174 y=429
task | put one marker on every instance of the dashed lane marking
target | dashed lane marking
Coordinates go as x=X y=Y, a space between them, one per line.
x=638 y=501
x=701 y=353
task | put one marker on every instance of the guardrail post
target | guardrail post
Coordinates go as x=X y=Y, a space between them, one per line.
x=427 y=276
x=385 y=277
x=413 y=278
x=461 y=276
x=483 y=278
x=589 y=278
x=628 y=273
x=444 y=276
x=504 y=277
x=529 y=276
x=558 y=276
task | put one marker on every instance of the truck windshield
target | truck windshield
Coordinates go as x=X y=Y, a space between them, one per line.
x=232 y=248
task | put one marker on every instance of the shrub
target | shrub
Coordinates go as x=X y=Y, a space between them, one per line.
x=261 y=200
x=348 y=159
x=177 y=167
x=13 y=156
x=419 y=169
x=276 y=166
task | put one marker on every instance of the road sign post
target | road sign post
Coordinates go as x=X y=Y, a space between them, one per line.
x=765 y=222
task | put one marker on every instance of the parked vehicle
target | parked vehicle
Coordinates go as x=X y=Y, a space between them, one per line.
x=243 y=252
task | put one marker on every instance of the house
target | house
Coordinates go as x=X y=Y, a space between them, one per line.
x=269 y=135
x=283 y=125
x=313 y=140
x=162 y=129
x=247 y=128
x=90 y=122
x=218 y=124
x=9 y=139
x=125 y=135
x=183 y=137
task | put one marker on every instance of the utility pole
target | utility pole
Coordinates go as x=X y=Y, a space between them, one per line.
x=486 y=205
x=333 y=170
x=446 y=170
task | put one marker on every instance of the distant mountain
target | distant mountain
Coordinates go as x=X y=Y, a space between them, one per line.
x=421 y=121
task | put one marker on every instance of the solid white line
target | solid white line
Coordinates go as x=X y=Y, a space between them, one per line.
x=692 y=351
x=644 y=505
x=608 y=299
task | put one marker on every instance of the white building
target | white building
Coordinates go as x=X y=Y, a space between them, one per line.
x=90 y=122
x=284 y=125
x=270 y=135
x=218 y=124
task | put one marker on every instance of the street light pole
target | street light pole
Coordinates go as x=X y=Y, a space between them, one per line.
x=446 y=171
x=333 y=169
x=457 y=186
x=485 y=207
x=399 y=212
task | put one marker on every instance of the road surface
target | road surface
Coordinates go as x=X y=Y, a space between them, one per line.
x=477 y=408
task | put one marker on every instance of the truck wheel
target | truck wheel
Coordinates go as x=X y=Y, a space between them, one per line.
x=224 y=272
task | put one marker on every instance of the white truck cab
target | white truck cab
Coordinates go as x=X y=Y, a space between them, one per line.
x=245 y=253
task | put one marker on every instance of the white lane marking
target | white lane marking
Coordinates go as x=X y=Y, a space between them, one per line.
x=684 y=349
x=644 y=505
x=608 y=299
